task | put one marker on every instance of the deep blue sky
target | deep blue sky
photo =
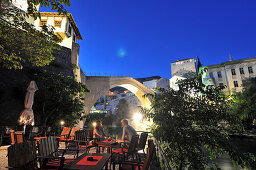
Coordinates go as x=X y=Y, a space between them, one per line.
x=140 y=38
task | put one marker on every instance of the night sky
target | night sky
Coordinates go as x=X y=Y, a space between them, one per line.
x=140 y=38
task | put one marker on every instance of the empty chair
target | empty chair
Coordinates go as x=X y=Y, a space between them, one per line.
x=48 y=153
x=22 y=155
x=16 y=137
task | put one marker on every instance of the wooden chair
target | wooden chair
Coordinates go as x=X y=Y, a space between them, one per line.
x=129 y=165
x=142 y=141
x=16 y=137
x=73 y=131
x=22 y=155
x=90 y=135
x=65 y=134
x=82 y=142
x=126 y=152
x=142 y=144
x=48 y=154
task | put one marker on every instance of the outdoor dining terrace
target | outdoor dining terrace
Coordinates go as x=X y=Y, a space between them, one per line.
x=74 y=148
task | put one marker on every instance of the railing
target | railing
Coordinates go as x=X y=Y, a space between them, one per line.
x=162 y=157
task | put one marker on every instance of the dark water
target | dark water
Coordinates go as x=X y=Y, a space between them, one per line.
x=244 y=145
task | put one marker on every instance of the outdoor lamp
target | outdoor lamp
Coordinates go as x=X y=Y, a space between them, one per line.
x=137 y=117
x=94 y=124
x=62 y=123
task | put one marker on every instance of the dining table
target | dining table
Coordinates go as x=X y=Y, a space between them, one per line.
x=89 y=161
x=109 y=144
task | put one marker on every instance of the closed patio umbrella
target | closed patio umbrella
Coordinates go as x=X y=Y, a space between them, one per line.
x=27 y=115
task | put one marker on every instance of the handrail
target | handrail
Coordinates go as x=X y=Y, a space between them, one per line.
x=162 y=156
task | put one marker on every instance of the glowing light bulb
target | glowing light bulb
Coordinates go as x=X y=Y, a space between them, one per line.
x=94 y=124
x=62 y=122
x=137 y=117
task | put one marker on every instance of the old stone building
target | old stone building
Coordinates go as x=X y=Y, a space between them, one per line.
x=14 y=82
x=180 y=69
x=231 y=74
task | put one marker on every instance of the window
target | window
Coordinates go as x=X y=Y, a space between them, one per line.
x=221 y=85
x=243 y=82
x=233 y=71
x=235 y=84
x=241 y=70
x=211 y=75
x=57 y=24
x=74 y=38
x=250 y=70
x=219 y=74
x=43 y=22
x=69 y=29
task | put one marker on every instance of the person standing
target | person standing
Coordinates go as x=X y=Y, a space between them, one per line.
x=128 y=131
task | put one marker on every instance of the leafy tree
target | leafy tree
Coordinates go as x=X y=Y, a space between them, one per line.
x=244 y=102
x=187 y=124
x=21 y=43
x=59 y=98
x=122 y=111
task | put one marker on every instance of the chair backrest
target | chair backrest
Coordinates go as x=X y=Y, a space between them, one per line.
x=143 y=140
x=73 y=131
x=12 y=135
x=90 y=134
x=16 y=137
x=19 y=136
x=81 y=136
x=47 y=146
x=133 y=144
x=22 y=155
x=150 y=153
x=65 y=132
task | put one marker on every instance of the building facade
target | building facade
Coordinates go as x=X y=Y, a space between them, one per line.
x=180 y=69
x=64 y=25
x=231 y=74
x=66 y=29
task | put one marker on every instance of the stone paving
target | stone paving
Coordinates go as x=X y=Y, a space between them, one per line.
x=3 y=157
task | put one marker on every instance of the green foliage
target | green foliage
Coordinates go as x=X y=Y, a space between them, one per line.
x=21 y=43
x=187 y=124
x=244 y=102
x=59 y=98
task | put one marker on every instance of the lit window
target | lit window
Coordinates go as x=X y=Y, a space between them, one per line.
x=241 y=70
x=233 y=71
x=43 y=22
x=250 y=70
x=57 y=24
x=211 y=75
x=235 y=84
x=219 y=75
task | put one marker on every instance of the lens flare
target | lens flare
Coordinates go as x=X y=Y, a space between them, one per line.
x=137 y=117
x=121 y=52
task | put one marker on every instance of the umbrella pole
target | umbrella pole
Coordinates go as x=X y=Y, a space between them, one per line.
x=24 y=128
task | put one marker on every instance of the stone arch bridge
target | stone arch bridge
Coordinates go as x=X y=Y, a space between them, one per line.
x=98 y=85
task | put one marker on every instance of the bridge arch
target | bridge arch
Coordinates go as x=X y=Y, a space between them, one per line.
x=98 y=85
